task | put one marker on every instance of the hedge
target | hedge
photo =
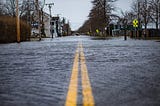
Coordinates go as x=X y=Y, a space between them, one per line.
x=8 y=31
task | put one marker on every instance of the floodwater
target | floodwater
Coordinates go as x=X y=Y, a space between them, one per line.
x=122 y=73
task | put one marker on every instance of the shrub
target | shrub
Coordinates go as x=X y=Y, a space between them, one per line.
x=8 y=32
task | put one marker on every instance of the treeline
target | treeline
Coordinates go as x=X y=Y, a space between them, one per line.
x=103 y=17
x=99 y=17
x=146 y=11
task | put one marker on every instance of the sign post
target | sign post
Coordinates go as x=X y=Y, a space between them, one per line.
x=135 y=25
x=97 y=31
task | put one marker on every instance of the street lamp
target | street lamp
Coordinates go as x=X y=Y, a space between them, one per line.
x=18 y=22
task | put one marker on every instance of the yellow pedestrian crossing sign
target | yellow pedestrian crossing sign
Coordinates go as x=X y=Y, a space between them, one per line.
x=135 y=23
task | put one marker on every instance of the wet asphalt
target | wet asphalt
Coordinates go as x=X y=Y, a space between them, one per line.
x=122 y=73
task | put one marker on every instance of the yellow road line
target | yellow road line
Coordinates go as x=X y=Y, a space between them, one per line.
x=72 y=91
x=88 y=99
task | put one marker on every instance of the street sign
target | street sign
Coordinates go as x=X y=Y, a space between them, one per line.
x=135 y=23
x=97 y=30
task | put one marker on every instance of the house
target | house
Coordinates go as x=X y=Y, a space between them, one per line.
x=45 y=26
x=56 y=26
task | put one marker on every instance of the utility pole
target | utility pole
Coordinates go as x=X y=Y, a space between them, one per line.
x=105 y=20
x=159 y=14
x=42 y=29
x=145 y=19
x=90 y=27
x=50 y=7
x=18 y=22
x=39 y=18
x=42 y=20
x=28 y=12
x=68 y=28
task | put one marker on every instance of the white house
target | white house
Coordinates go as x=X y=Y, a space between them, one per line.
x=47 y=28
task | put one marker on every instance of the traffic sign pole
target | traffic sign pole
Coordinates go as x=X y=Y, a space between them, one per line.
x=135 y=25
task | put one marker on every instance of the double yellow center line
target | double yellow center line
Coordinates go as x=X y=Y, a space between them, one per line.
x=71 y=99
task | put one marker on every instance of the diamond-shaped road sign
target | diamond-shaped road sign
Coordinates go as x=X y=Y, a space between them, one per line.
x=135 y=23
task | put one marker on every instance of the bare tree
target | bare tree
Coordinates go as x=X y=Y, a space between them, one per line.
x=11 y=7
x=99 y=16
x=154 y=14
x=142 y=10
x=25 y=6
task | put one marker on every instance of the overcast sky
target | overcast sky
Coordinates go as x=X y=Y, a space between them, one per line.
x=76 y=11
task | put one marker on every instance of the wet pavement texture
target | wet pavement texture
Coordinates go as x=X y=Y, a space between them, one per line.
x=122 y=73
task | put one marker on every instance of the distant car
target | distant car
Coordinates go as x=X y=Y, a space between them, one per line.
x=77 y=34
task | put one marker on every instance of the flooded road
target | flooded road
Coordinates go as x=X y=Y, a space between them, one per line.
x=121 y=73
